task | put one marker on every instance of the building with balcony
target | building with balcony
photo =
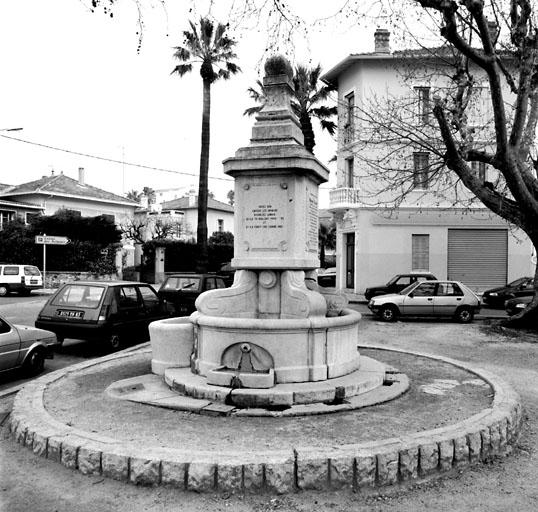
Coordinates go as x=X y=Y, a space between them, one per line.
x=391 y=216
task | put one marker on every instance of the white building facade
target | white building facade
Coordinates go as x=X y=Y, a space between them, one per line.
x=427 y=230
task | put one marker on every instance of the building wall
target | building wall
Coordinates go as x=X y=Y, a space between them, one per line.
x=87 y=208
x=383 y=244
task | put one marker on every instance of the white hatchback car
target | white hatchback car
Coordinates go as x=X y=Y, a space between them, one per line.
x=428 y=298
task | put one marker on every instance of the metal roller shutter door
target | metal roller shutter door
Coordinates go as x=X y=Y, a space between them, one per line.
x=478 y=257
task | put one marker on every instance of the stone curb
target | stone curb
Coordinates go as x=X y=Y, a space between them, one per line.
x=488 y=434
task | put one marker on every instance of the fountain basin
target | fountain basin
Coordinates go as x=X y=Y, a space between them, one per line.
x=302 y=350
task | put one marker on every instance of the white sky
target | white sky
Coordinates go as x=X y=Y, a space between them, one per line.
x=74 y=80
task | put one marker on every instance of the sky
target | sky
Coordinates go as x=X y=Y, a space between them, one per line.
x=77 y=84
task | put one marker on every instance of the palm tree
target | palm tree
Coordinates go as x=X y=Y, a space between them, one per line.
x=209 y=46
x=327 y=239
x=150 y=195
x=306 y=96
x=134 y=195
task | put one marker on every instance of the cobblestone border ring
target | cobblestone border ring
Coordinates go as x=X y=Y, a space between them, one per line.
x=488 y=434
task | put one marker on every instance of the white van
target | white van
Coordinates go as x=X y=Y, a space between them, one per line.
x=19 y=278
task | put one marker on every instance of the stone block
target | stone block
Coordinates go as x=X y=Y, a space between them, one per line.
x=446 y=454
x=54 y=449
x=145 y=471
x=280 y=476
x=461 y=451
x=29 y=438
x=201 y=476
x=253 y=477
x=173 y=473
x=495 y=439
x=229 y=477
x=409 y=457
x=341 y=472
x=40 y=443
x=474 y=441
x=312 y=471
x=115 y=465
x=366 y=465
x=485 y=436
x=428 y=458
x=89 y=459
x=387 y=466
x=69 y=454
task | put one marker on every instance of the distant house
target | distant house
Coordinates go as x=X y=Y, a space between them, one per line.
x=57 y=191
x=183 y=213
x=10 y=210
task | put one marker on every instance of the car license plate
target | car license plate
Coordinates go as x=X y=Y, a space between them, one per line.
x=33 y=281
x=70 y=314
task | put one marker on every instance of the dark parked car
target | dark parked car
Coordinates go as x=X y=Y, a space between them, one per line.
x=398 y=283
x=327 y=277
x=105 y=311
x=517 y=304
x=182 y=290
x=428 y=298
x=24 y=347
x=496 y=297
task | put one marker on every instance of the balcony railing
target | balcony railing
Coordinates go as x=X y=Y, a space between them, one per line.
x=343 y=197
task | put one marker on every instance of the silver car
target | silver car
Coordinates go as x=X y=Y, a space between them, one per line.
x=428 y=298
x=24 y=347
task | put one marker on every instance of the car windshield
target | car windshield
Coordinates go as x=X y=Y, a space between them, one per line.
x=182 y=283
x=409 y=288
x=77 y=295
x=517 y=282
x=31 y=271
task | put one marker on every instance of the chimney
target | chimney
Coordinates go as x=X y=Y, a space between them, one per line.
x=382 y=40
x=81 y=176
x=493 y=30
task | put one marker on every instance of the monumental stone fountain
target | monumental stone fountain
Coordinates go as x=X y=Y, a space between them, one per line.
x=273 y=327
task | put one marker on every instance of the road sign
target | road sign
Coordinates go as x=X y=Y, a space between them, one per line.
x=51 y=240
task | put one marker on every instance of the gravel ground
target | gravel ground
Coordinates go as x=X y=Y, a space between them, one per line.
x=29 y=483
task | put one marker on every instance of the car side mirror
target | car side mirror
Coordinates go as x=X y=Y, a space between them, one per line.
x=411 y=295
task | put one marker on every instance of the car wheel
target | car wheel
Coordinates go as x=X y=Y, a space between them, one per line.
x=35 y=362
x=4 y=290
x=388 y=313
x=115 y=341
x=464 y=315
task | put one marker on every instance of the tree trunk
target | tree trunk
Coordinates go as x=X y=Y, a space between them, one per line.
x=201 y=232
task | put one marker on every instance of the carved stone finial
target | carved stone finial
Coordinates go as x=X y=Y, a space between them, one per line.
x=278 y=65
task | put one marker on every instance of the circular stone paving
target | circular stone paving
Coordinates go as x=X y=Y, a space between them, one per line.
x=451 y=416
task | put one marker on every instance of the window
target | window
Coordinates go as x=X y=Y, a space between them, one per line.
x=5 y=218
x=11 y=271
x=149 y=297
x=449 y=290
x=421 y=163
x=424 y=290
x=349 y=118
x=420 y=252
x=220 y=225
x=108 y=217
x=479 y=170
x=31 y=217
x=129 y=297
x=423 y=104
x=348 y=173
